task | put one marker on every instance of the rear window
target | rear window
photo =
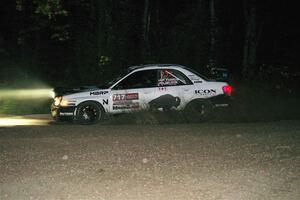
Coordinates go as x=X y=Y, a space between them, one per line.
x=197 y=73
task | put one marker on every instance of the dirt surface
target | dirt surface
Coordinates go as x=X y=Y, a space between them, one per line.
x=172 y=161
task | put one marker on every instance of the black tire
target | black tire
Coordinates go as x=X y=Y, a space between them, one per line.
x=198 y=111
x=89 y=113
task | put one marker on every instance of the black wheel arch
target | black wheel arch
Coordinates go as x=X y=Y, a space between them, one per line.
x=91 y=101
x=199 y=100
x=191 y=111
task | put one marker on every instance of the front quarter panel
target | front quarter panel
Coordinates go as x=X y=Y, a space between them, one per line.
x=100 y=96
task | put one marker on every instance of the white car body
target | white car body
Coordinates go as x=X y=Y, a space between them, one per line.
x=173 y=88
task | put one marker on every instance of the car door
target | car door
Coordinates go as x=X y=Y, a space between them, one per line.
x=173 y=90
x=132 y=93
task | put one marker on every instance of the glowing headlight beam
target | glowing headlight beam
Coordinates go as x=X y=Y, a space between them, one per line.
x=26 y=93
x=20 y=121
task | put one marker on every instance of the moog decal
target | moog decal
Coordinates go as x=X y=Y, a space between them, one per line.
x=97 y=93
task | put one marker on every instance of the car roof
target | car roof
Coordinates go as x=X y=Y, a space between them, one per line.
x=154 y=66
x=157 y=66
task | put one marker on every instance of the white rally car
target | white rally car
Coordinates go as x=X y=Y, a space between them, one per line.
x=159 y=87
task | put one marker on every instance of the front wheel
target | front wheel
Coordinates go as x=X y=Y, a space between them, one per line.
x=198 y=110
x=89 y=113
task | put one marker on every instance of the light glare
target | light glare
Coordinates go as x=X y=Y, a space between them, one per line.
x=21 y=121
x=57 y=101
x=26 y=93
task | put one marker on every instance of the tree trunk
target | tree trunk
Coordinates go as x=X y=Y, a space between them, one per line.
x=251 y=39
x=146 y=27
x=212 y=60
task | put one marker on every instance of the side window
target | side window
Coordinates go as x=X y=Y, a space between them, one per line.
x=140 y=79
x=171 y=77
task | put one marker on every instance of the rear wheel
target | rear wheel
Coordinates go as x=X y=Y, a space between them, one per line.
x=89 y=113
x=198 y=110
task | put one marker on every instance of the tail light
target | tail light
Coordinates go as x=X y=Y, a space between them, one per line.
x=227 y=89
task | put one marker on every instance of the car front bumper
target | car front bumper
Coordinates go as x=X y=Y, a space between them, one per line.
x=59 y=112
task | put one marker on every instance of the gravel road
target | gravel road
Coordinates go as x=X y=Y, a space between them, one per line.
x=137 y=162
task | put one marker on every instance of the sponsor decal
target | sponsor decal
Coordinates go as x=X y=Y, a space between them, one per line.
x=162 y=89
x=125 y=101
x=126 y=106
x=167 y=81
x=97 y=93
x=167 y=78
x=105 y=102
x=166 y=102
x=126 y=97
x=206 y=92
x=197 y=81
x=66 y=114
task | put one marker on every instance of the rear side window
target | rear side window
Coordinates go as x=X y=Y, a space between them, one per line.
x=171 y=77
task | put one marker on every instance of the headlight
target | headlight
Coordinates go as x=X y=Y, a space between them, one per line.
x=64 y=102
x=57 y=101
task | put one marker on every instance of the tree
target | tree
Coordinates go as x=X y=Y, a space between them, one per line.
x=39 y=23
x=252 y=35
x=213 y=32
x=146 y=29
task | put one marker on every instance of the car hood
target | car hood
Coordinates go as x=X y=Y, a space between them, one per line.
x=88 y=94
x=62 y=91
